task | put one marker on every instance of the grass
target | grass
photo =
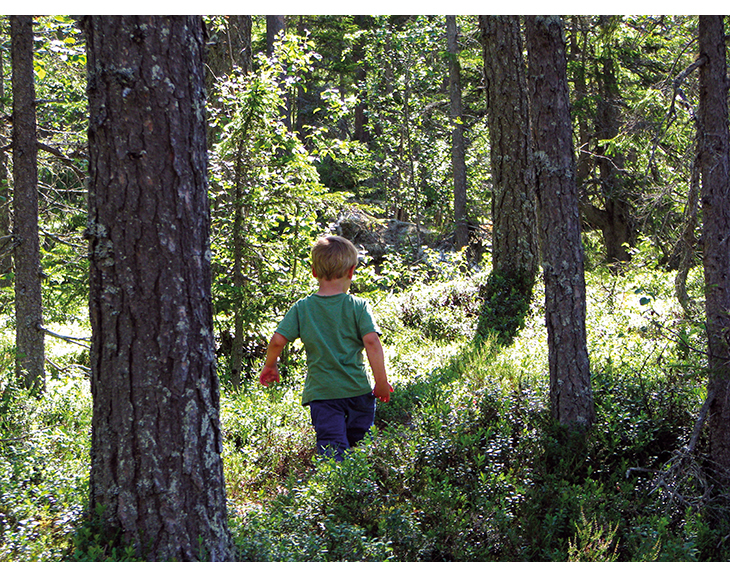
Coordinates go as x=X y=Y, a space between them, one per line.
x=465 y=464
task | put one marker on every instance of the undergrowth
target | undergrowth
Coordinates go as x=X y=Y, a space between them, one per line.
x=464 y=463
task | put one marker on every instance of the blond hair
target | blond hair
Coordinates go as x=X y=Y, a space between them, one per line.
x=333 y=257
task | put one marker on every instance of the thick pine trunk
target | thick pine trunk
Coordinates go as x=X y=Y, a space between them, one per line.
x=28 y=304
x=156 y=468
x=715 y=171
x=514 y=231
x=571 y=396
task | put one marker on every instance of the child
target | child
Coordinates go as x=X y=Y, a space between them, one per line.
x=334 y=327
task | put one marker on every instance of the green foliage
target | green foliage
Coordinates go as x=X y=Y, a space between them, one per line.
x=93 y=543
x=262 y=173
x=592 y=542
x=43 y=470
x=466 y=464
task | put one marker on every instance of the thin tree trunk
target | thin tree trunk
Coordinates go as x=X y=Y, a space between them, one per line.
x=571 y=397
x=28 y=303
x=361 y=133
x=458 y=147
x=6 y=261
x=618 y=229
x=156 y=468
x=715 y=169
x=686 y=245
x=239 y=220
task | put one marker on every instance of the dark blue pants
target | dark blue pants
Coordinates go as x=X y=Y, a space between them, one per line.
x=341 y=423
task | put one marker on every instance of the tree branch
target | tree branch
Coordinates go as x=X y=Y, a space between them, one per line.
x=73 y=340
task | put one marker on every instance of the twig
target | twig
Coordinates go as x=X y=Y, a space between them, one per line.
x=67 y=368
x=73 y=340
x=701 y=418
x=65 y=159
x=57 y=239
x=9 y=245
x=23 y=437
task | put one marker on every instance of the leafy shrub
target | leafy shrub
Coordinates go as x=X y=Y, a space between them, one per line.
x=43 y=470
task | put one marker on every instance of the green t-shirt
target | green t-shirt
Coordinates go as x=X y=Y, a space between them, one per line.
x=331 y=329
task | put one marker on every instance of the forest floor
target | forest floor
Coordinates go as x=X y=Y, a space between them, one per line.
x=465 y=464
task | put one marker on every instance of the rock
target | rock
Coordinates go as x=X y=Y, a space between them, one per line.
x=376 y=236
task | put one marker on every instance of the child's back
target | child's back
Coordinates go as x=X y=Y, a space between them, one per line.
x=335 y=327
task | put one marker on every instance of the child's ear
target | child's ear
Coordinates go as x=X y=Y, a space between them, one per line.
x=314 y=273
x=352 y=271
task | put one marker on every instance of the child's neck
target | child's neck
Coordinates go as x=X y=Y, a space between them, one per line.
x=328 y=288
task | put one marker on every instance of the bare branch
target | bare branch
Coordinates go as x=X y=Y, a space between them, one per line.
x=81 y=341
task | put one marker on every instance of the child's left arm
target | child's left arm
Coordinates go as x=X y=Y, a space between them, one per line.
x=376 y=356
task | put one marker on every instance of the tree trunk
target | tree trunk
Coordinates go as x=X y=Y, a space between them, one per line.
x=508 y=290
x=715 y=170
x=571 y=396
x=514 y=231
x=360 y=132
x=229 y=48
x=457 y=135
x=580 y=93
x=275 y=25
x=6 y=245
x=618 y=226
x=156 y=469
x=28 y=304
x=236 y=364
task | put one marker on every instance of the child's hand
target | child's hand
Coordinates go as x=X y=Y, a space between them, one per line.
x=269 y=375
x=382 y=391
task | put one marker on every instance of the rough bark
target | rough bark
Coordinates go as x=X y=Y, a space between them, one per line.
x=571 y=396
x=156 y=469
x=515 y=244
x=6 y=245
x=715 y=171
x=28 y=304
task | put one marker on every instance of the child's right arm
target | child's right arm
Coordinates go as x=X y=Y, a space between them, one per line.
x=270 y=372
